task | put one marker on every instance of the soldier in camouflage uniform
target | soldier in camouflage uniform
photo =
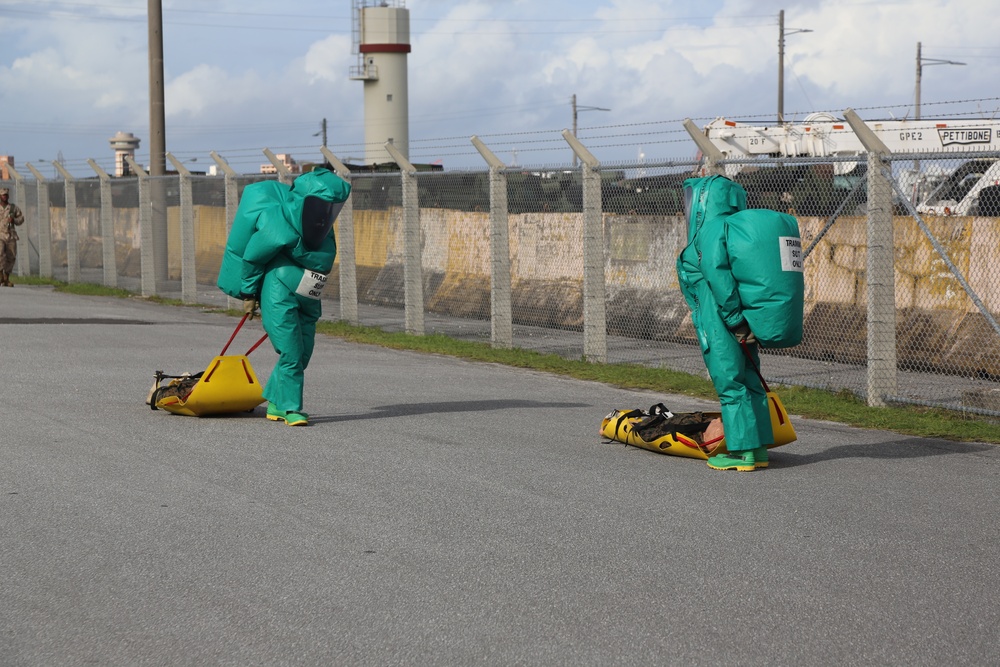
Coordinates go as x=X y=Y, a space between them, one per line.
x=10 y=216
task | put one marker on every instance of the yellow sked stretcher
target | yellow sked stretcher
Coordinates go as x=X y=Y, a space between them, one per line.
x=685 y=439
x=227 y=385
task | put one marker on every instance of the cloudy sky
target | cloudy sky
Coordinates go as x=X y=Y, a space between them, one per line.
x=242 y=75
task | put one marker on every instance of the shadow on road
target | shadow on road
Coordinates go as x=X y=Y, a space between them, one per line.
x=409 y=409
x=899 y=449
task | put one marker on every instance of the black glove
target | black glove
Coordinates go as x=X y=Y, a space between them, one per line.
x=743 y=333
x=250 y=308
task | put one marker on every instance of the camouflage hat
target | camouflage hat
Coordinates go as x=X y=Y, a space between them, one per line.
x=4 y=191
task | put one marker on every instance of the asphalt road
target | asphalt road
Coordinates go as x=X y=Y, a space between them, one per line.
x=441 y=512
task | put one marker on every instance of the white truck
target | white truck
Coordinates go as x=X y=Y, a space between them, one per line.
x=972 y=188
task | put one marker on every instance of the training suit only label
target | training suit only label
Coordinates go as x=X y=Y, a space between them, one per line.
x=312 y=284
x=790 y=250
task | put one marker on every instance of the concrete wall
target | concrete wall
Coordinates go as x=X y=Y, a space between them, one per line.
x=210 y=240
x=939 y=326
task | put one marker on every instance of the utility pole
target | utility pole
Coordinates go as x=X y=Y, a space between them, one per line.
x=157 y=123
x=322 y=131
x=576 y=110
x=781 y=62
x=781 y=67
x=157 y=138
x=921 y=61
x=574 y=119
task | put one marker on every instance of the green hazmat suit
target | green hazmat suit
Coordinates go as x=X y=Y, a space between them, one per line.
x=740 y=267
x=280 y=248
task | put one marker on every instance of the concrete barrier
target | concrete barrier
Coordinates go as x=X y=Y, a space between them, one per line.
x=939 y=326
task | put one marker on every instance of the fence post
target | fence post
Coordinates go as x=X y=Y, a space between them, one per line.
x=232 y=203
x=189 y=275
x=595 y=328
x=146 y=258
x=413 y=272
x=44 y=225
x=710 y=152
x=284 y=175
x=345 y=246
x=880 y=270
x=501 y=319
x=23 y=258
x=72 y=226
x=109 y=260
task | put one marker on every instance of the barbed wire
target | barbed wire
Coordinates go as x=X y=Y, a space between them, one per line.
x=661 y=133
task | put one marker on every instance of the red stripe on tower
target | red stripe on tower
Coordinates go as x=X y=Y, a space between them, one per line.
x=384 y=48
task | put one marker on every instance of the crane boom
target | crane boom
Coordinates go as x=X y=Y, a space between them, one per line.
x=821 y=135
x=824 y=135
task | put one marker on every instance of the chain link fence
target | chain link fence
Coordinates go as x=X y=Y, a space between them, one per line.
x=902 y=284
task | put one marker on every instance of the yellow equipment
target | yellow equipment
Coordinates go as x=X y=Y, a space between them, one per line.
x=626 y=425
x=227 y=385
x=659 y=430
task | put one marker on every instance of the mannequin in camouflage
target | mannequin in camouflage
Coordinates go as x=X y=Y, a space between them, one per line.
x=10 y=216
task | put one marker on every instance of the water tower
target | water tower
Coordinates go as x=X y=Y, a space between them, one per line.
x=123 y=143
x=381 y=38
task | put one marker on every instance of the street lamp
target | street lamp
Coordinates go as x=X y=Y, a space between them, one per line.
x=576 y=110
x=781 y=62
x=921 y=61
x=55 y=172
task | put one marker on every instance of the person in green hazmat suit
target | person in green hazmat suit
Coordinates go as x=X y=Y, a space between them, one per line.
x=741 y=275
x=280 y=249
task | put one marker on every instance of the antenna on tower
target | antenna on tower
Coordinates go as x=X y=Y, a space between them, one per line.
x=356 y=26
x=380 y=35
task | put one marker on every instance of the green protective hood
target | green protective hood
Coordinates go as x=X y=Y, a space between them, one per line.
x=267 y=232
x=711 y=197
x=321 y=183
x=708 y=201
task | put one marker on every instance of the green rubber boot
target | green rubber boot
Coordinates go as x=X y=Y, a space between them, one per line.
x=744 y=461
x=290 y=418
x=296 y=419
x=760 y=457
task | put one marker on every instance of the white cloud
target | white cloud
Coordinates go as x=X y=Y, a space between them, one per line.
x=246 y=73
x=327 y=60
x=210 y=86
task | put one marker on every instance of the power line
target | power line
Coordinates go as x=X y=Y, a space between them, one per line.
x=665 y=133
x=49 y=14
